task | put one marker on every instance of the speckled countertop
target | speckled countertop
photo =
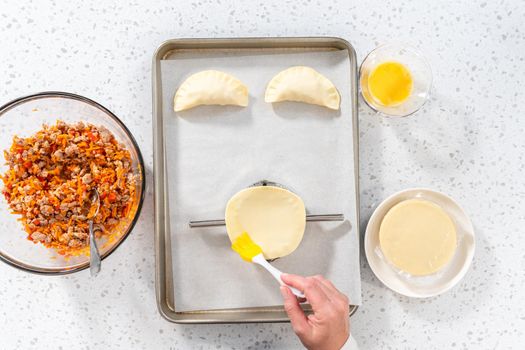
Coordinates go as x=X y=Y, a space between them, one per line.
x=468 y=142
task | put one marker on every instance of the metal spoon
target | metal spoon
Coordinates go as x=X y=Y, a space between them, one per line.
x=94 y=254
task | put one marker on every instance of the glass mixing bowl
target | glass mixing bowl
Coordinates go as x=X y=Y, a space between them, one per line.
x=414 y=61
x=25 y=116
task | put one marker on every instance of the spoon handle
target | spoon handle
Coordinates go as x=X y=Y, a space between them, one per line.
x=94 y=255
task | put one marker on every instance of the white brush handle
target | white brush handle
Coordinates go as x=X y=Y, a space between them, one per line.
x=259 y=259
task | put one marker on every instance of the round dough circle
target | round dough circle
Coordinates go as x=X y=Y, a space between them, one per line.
x=418 y=237
x=274 y=218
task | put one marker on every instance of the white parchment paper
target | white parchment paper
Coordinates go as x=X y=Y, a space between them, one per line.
x=214 y=151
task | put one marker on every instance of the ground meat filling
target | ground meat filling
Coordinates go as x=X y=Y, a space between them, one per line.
x=52 y=174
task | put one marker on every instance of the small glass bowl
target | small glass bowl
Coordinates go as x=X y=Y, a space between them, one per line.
x=414 y=61
x=25 y=116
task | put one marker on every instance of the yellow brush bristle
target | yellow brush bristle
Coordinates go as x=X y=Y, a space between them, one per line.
x=245 y=247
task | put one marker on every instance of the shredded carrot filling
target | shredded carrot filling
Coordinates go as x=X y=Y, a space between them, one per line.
x=51 y=176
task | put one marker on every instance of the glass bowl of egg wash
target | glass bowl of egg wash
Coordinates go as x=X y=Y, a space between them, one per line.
x=395 y=80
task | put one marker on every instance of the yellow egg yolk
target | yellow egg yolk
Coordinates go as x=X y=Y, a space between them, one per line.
x=390 y=83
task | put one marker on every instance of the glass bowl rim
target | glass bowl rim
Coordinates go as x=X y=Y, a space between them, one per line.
x=67 y=95
x=416 y=52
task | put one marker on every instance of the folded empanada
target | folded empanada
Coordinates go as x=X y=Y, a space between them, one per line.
x=302 y=84
x=210 y=87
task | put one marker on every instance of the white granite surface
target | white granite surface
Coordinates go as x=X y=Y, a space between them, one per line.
x=468 y=142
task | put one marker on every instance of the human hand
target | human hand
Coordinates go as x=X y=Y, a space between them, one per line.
x=328 y=327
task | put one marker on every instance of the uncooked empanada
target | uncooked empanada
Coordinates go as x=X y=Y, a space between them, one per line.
x=302 y=84
x=210 y=87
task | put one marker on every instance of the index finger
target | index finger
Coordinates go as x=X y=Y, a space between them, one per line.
x=311 y=289
x=295 y=281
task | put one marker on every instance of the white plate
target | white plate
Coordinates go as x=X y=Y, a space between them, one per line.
x=424 y=286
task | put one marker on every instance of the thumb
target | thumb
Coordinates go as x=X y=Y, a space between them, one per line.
x=295 y=313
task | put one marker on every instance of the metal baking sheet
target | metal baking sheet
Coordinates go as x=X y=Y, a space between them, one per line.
x=241 y=51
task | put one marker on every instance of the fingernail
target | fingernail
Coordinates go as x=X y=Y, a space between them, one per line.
x=284 y=291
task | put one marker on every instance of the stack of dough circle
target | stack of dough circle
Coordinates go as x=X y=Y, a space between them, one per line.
x=418 y=237
x=274 y=218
